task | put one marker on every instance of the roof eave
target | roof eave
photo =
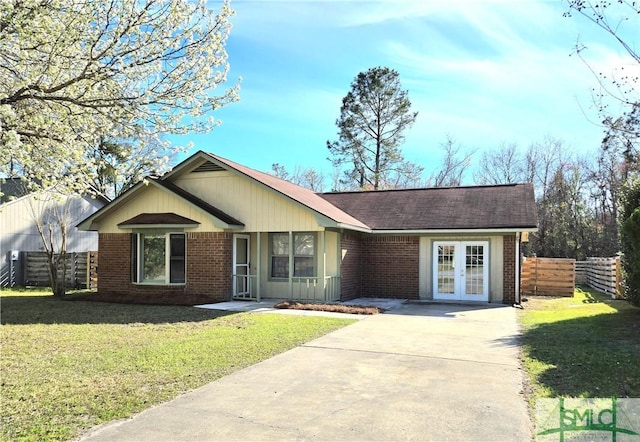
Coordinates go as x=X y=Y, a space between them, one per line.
x=158 y=226
x=354 y=228
x=453 y=231
x=87 y=223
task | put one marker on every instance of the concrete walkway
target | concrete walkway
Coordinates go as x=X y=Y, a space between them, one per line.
x=417 y=372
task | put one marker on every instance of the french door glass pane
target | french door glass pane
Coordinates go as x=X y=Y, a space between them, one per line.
x=446 y=269
x=474 y=281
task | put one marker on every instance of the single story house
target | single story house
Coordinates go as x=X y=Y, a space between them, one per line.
x=213 y=230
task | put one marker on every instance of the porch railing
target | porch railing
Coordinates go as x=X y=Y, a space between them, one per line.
x=305 y=289
x=314 y=289
x=243 y=287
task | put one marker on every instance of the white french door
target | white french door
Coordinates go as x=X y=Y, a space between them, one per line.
x=461 y=270
x=241 y=285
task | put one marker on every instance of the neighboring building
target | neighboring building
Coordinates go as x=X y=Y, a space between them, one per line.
x=212 y=230
x=18 y=232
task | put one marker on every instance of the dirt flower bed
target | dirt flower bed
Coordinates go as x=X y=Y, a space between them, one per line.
x=337 y=308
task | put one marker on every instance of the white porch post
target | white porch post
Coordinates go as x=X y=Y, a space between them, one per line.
x=291 y=248
x=258 y=264
x=323 y=255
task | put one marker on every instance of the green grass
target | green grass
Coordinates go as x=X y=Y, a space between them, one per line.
x=584 y=346
x=66 y=366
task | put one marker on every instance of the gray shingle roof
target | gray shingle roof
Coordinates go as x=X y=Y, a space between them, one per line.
x=299 y=194
x=451 y=208
x=158 y=218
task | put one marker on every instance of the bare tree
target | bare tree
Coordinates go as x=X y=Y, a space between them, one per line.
x=502 y=165
x=51 y=213
x=305 y=177
x=454 y=165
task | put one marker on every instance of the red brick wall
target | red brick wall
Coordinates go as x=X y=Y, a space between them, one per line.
x=390 y=267
x=509 y=269
x=351 y=267
x=209 y=262
x=114 y=267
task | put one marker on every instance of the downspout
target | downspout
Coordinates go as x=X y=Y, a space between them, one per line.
x=518 y=302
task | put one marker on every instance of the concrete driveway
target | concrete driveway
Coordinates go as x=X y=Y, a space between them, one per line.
x=417 y=372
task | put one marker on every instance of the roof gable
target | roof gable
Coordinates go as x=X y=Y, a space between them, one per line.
x=204 y=161
x=510 y=206
x=226 y=220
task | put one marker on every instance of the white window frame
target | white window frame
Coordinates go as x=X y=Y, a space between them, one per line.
x=138 y=259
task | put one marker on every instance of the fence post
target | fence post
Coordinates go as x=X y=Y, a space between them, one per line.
x=619 y=292
x=88 y=272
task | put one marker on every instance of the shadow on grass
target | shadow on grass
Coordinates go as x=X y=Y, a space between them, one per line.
x=591 y=356
x=25 y=309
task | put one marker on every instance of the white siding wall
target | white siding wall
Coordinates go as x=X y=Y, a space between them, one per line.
x=260 y=209
x=18 y=230
x=156 y=200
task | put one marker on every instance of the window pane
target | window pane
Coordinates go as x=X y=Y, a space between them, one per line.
x=280 y=244
x=304 y=244
x=177 y=258
x=153 y=258
x=279 y=266
x=177 y=245
x=303 y=266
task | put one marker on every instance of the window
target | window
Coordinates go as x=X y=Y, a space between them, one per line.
x=303 y=255
x=158 y=258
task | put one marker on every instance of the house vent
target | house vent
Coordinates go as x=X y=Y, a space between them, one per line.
x=208 y=167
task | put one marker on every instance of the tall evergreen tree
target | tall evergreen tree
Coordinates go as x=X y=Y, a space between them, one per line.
x=373 y=117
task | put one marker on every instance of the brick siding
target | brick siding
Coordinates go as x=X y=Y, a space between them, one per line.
x=509 y=269
x=208 y=273
x=351 y=267
x=390 y=267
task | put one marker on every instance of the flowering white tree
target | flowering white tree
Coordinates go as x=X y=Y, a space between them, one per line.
x=76 y=72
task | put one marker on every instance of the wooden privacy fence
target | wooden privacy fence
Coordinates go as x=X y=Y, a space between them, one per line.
x=547 y=277
x=602 y=274
x=82 y=269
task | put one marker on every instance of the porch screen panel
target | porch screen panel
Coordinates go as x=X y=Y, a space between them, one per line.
x=446 y=269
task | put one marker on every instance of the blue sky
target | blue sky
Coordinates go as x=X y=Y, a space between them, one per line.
x=484 y=72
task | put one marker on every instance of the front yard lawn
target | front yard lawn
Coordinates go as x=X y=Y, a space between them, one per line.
x=66 y=366
x=584 y=346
